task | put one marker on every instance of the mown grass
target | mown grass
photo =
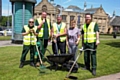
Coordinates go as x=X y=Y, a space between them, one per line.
x=108 y=36
x=108 y=62
x=102 y=36
x=5 y=38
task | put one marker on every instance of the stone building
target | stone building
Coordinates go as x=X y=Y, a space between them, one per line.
x=115 y=24
x=73 y=12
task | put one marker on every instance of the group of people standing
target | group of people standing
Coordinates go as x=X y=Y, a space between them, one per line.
x=41 y=30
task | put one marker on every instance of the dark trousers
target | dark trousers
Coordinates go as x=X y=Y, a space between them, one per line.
x=61 y=47
x=90 y=54
x=26 y=48
x=42 y=48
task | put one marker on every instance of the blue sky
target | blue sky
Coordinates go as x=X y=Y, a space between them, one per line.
x=108 y=5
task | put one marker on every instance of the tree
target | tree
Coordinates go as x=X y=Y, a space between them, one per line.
x=4 y=20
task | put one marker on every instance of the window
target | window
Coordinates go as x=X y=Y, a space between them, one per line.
x=39 y=13
x=78 y=21
x=72 y=18
x=95 y=19
x=35 y=13
x=64 y=17
x=44 y=8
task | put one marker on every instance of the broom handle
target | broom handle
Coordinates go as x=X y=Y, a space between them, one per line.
x=56 y=46
x=77 y=59
x=87 y=49
x=73 y=65
x=39 y=54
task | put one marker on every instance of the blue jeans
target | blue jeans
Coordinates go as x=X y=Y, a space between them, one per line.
x=72 y=50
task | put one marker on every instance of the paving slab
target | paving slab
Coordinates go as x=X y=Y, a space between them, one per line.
x=108 y=77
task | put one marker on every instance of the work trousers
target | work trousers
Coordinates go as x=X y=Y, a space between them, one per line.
x=61 y=46
x=90 y=54
x=26 y=48
x=42 y=47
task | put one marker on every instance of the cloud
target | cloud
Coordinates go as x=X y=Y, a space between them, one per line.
x=5 y=12
x=67 y=1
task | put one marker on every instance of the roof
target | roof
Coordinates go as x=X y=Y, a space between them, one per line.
x=31 y=1
x=115 y=21
x=91 y=10
x=73 y=8
x=77 y=9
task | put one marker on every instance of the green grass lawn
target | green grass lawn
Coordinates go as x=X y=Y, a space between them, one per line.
x=107 y=36
x=5 y=38
x=108 y=58
x=101 y=37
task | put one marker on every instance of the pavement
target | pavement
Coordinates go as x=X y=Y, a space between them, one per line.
x=107 y=77
x=8 y=43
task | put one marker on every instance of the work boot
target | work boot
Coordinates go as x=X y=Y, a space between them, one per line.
x=21 y=65
x=94 y=72
x=37 y=64
x=32 y=64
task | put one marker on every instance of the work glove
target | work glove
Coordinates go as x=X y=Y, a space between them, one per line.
x=81 y=48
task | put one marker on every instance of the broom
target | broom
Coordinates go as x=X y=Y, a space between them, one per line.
x=42 y=67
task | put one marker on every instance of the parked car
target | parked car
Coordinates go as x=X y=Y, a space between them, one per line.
x=7 y=31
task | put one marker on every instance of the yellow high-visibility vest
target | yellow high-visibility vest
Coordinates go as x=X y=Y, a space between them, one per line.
x=40 y=34
x=29 y=39
x=55 y=28
x=89 y=34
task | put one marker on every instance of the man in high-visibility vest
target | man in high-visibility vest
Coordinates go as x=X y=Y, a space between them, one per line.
x=29 y=33
x=59 y=35
x=90 y=40
x=44 y=27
